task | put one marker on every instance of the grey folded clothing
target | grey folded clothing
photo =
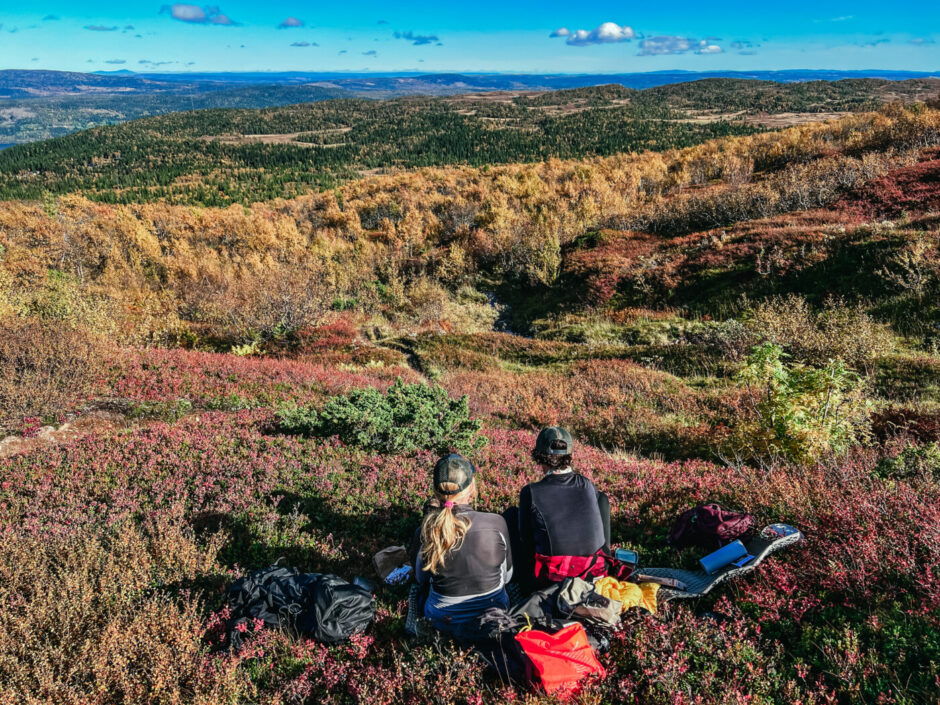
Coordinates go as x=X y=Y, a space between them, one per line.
x=578 y=599
x=389 y=559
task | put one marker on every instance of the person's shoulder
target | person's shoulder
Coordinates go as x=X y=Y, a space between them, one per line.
x=585 y=481
x=487 y=520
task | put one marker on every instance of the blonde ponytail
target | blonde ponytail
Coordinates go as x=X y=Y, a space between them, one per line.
x=443 y=531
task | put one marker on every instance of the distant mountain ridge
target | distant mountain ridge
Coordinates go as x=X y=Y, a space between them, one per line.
x=37 y=105
x=32 y=83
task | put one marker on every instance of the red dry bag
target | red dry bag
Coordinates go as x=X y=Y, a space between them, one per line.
x=560 y=660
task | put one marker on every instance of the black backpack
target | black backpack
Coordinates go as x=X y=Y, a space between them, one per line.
x=322 y=607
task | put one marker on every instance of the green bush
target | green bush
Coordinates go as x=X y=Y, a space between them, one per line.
x=913 y=461
x=171 y=410
x=798 y=413
x=408 y=417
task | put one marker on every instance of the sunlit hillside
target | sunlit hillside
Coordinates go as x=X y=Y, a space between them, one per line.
x=719 y=308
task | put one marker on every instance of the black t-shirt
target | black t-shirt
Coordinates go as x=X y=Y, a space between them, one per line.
x=482 y=563
x=563 y=515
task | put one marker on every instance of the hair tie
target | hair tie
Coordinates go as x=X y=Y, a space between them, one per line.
x=448 y=504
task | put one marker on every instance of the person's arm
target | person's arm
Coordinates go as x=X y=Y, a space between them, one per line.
x=414 y=548
x=525 y=562
x=603 y=504
x=421 y=575
x=507 y=547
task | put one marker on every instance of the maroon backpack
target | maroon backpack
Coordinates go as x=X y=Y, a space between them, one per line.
x=709 y=526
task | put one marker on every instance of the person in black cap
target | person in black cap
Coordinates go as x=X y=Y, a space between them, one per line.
x=564 y=520
x=464 y=556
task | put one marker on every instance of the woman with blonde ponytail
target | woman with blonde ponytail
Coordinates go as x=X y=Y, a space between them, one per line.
x=464 y=555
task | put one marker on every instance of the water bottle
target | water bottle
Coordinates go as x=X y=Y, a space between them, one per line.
x=725 y=555
x=625 y=555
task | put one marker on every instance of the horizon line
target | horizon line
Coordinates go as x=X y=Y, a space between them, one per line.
x=393 y=73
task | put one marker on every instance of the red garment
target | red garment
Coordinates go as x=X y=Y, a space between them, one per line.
x=557 y=568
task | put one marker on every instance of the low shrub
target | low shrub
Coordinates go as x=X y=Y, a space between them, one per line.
x=913 y=461
x=839 y=331
x=82 y=621
x=46 y=368
x=259 y=307
x=798 y=413
x=407 y=418
x=908 y=377
x=639 y=331
x=731 y=338
x=919 y=425
x=613 y=403
x=170 y=410
x=218 y=381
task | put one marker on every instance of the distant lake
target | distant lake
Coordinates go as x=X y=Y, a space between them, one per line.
x=4 y=146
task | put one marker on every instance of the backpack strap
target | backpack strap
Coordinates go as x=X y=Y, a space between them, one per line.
x=615 y=568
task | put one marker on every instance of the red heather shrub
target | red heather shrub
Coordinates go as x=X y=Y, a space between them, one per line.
x=605 y=261
x=151 y=523
x=923 y=426
x=913 y=190
x=334 y=343
x=339 y=336
x=227 y=381
x=30 y=427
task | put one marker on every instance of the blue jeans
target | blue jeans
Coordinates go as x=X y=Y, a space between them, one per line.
x=454 y=619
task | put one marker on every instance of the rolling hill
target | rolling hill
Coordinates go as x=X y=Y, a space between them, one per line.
x=36 y=105
x=216 y=157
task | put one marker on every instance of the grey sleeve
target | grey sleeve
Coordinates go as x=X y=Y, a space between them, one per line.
x=507 y=561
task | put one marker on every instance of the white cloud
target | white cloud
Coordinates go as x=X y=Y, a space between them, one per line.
x=658 y=46
x=606 y=33
x=655 y=46
x=186 y=13
x=706 y=48
x=197 y=15
x=291 y=22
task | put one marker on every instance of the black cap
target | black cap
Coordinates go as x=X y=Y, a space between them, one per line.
x=554 y=441
x=454 y=469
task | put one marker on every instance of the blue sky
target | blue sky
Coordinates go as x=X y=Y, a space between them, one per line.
x=482 y=35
